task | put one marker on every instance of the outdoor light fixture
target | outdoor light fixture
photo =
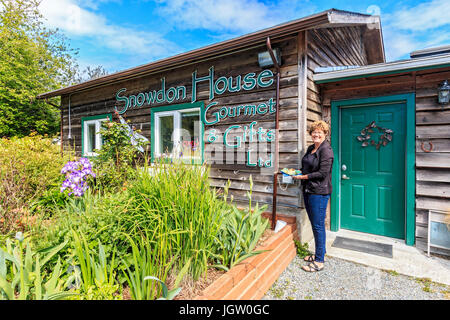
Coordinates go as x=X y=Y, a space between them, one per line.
x=444 y=93
x=265 y=60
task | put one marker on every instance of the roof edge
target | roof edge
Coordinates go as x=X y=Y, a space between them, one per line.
x=383 y=69
x=220 y=48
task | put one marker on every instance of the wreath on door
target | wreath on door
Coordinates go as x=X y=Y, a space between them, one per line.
x=365 y=136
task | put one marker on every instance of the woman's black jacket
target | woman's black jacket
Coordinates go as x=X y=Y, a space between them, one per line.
x=318 y=167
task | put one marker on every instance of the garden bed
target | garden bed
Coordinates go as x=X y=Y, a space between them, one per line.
x=250 y=279
x=105 y=230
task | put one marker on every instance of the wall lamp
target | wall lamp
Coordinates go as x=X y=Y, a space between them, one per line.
x=444 y=93
x=265 y=60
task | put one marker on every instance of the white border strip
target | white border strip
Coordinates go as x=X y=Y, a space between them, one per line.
x=384 y=67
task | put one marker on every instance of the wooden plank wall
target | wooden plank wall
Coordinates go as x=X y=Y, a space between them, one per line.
x=325 y=47
x=102 y=100
x=328 y=47
x=238 y=174
x=432 y=125
x=432 y=168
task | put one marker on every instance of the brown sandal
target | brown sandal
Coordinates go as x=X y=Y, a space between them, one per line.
x=313 y=267
x=309 y=259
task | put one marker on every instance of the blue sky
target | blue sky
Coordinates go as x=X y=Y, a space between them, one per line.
x=120 y=34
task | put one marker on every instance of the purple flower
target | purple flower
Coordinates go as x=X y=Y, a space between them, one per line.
x=76 y=174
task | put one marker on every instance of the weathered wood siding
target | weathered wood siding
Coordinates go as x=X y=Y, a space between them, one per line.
x=238 y=174
x=432 y=125
x=300 y=54
x=102 y=100
x=329 y=47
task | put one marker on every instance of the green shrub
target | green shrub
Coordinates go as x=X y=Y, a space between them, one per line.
x=167 y=219
x=98 y=217
x=30 y=178
x=302 y=249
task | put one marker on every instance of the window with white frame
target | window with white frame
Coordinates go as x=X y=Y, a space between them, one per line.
x=91 y=137
x=177 y=134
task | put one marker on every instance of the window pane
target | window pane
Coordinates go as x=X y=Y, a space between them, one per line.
x=165 y=134
x=190 y=134
x=90 y=137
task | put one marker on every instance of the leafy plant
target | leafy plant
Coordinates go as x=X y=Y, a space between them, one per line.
x=145 y=262
x=96 y=276
x=302 y=249
x=115 y=160
x=22 y=276
x=29 y=179
x=239 y=234
x=33 y=60
x=95 y=271
x=171 y=294
x=176 y=202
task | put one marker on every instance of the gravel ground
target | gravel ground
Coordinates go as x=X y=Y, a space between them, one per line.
x=343 y=280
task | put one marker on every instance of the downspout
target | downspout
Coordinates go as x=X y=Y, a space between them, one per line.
x=61 y=115
x=276 y=169
x=69 y=135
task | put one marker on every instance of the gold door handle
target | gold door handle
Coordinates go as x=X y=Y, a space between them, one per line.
x=345 y=177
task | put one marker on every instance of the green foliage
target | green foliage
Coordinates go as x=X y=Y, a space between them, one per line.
x=239 y=234
x=22 y=276
x=115 y=160
x=145 y=261
x=168 y=219
x=104 y=292
x=33 y=60
x=99 y=218
x=117 y=144
x=94 y=268
x=302 y=249
x=30 y=178
x=176 y=202
x=97 y=276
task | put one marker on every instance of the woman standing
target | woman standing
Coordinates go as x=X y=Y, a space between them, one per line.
x=316 y=186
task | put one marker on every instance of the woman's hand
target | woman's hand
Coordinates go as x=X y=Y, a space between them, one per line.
x=301 y=177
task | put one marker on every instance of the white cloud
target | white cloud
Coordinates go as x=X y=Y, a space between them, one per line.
x=399 y=45
x=409 y=29
x=94 y=4
x=425 y=16
x=239 y=16
x=216 y=15
x=67 y=15
x=74 y=20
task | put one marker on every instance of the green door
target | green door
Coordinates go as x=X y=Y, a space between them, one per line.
x=372 y=180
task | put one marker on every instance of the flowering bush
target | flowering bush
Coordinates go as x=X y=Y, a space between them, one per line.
x=30 y=179
x=77 y=173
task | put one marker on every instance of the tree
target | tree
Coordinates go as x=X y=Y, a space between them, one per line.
x=91 y=73
x=33 y=60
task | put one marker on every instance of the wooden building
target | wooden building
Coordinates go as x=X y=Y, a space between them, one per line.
x=223 y=98
x=410 y=173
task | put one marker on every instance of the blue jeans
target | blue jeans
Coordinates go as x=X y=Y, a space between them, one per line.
x=316 y=207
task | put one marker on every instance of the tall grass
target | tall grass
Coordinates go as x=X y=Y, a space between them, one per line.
x=176 y=202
